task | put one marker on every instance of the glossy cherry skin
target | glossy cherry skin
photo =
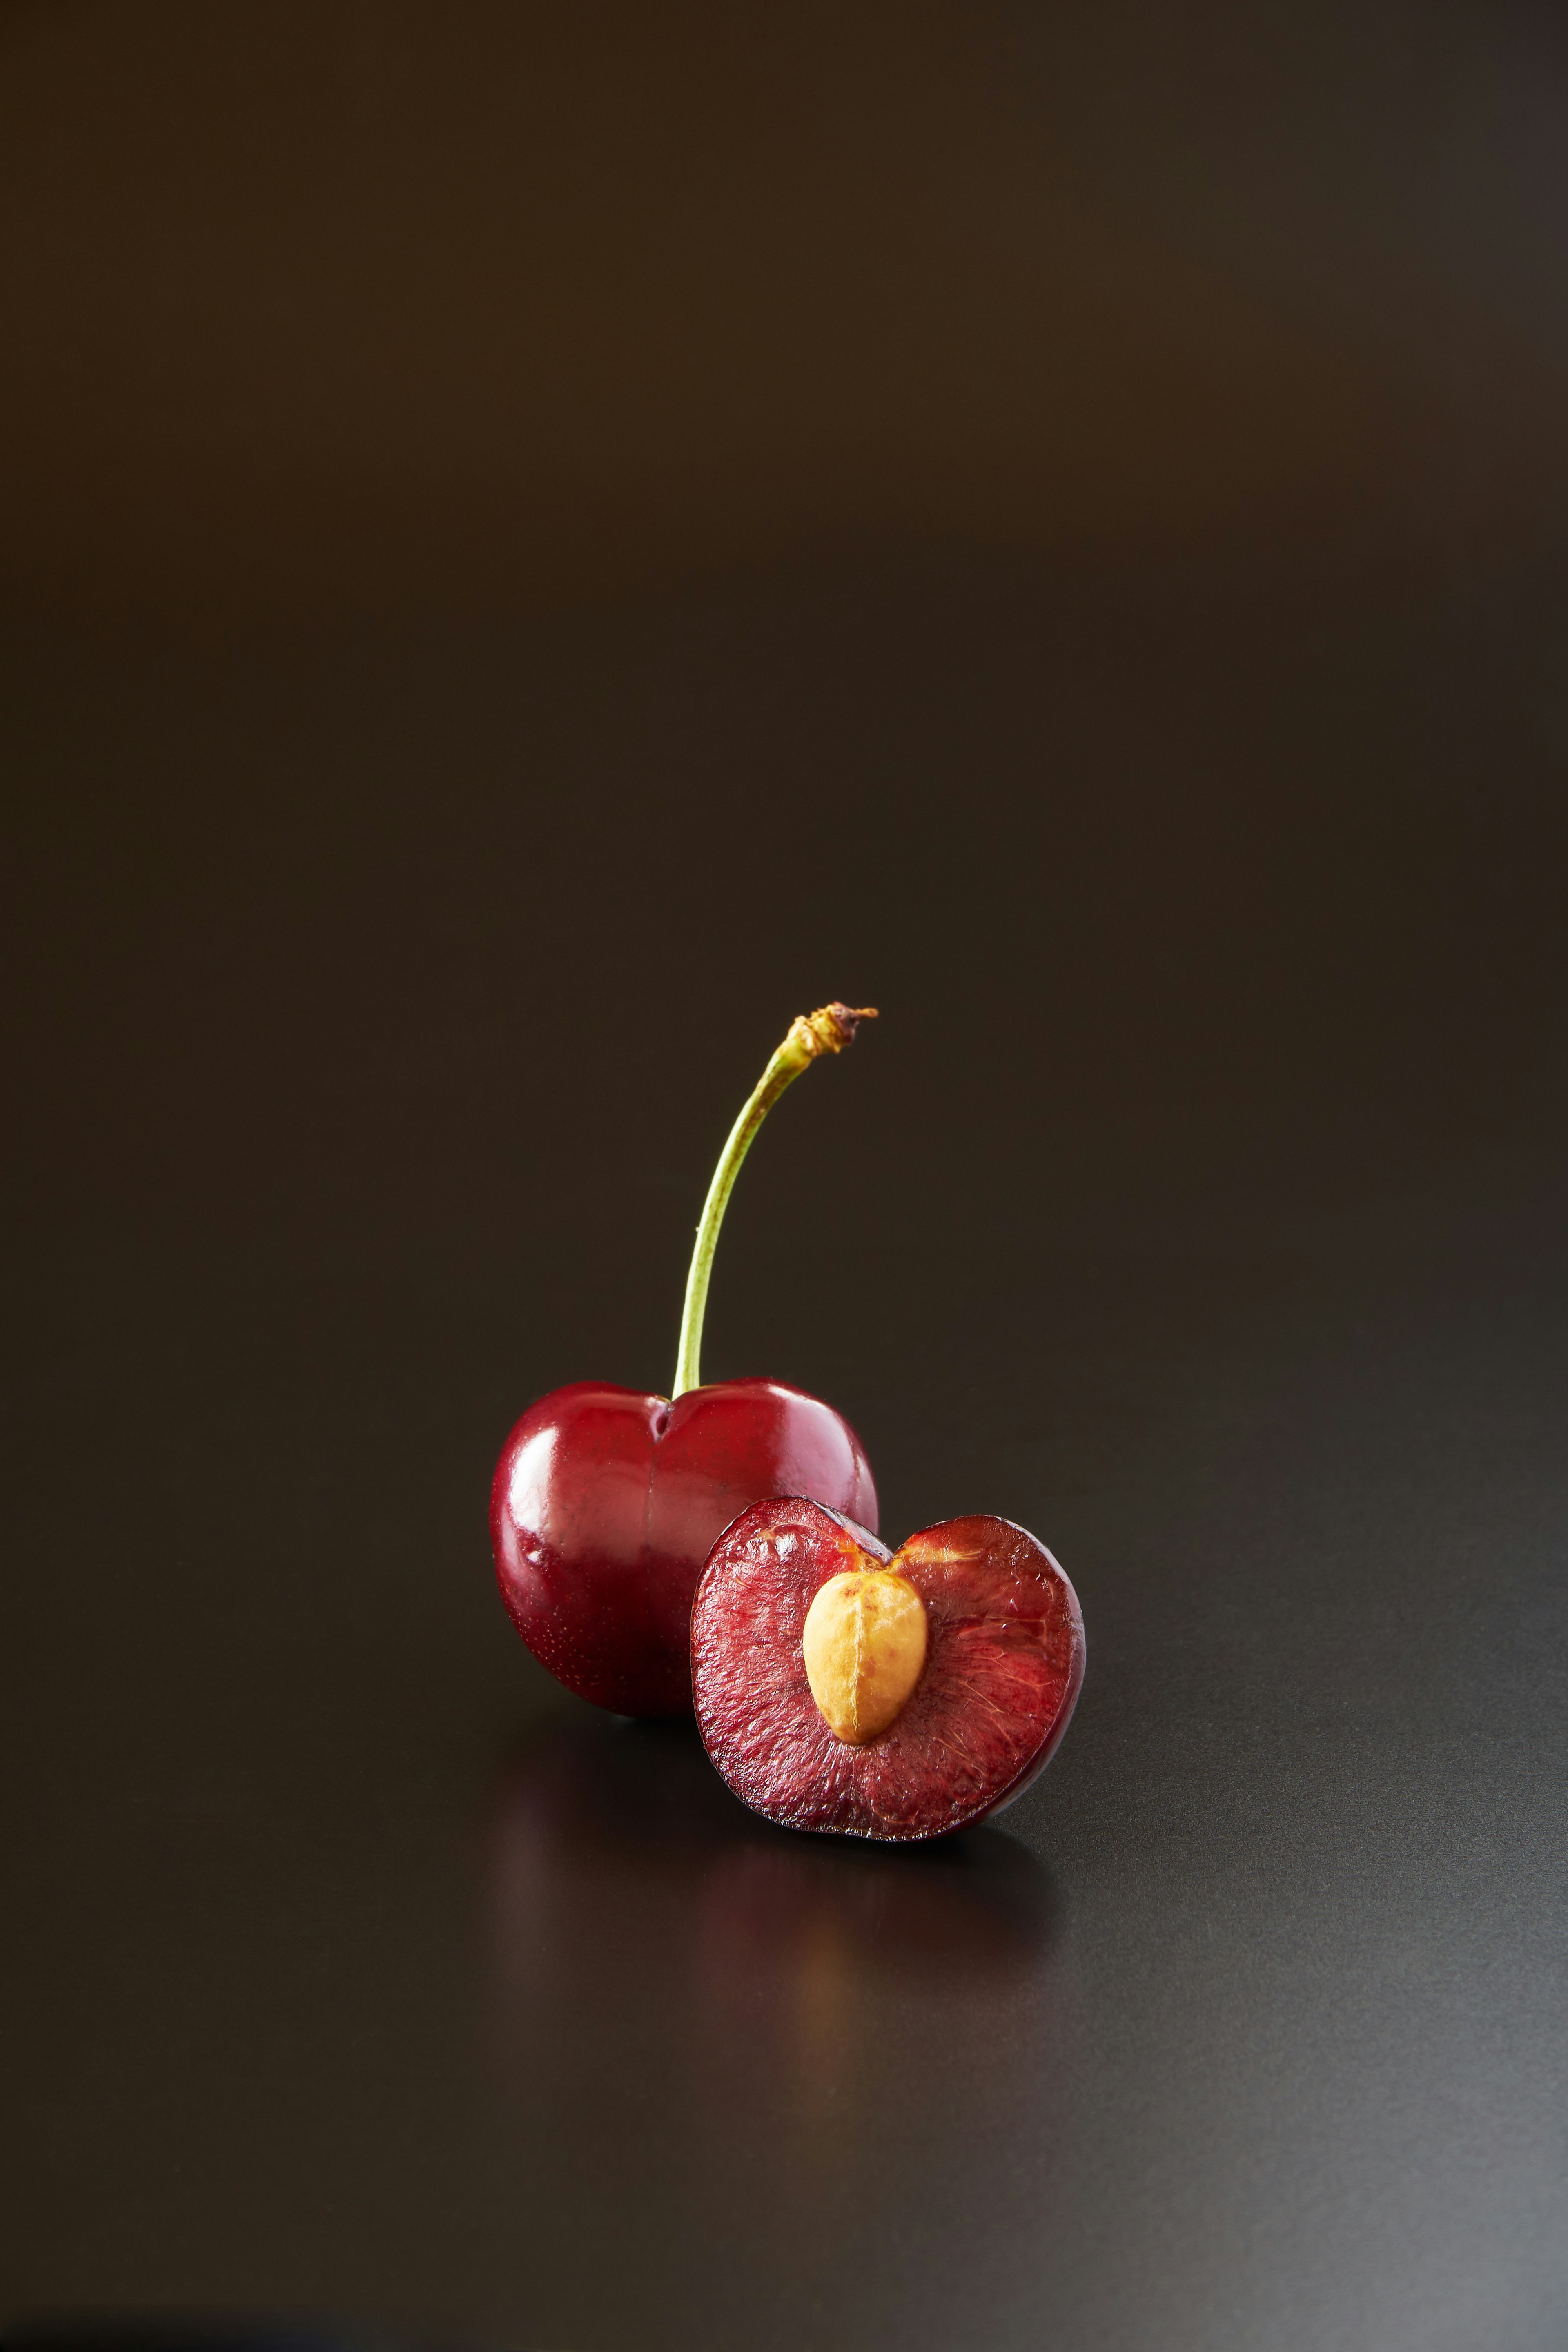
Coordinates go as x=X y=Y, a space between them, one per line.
x=607 y=1501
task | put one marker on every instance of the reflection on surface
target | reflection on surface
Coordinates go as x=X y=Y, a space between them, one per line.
x=763 y=2054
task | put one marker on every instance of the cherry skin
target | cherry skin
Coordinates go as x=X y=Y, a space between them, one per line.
x=607 y=1502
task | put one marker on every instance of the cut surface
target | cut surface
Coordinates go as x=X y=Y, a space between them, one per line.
x=1003 y=1665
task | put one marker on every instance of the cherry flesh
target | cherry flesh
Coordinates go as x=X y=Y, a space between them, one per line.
x=607 y=1502
x=1002 y=1667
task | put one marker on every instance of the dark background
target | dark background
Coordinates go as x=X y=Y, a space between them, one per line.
x=537 y=544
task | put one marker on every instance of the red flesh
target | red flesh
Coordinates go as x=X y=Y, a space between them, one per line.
x=1004 y=1664
x=606 y=1503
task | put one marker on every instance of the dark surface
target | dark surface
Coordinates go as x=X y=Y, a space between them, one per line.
x=407 y=885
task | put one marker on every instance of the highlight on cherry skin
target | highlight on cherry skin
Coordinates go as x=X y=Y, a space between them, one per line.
x=895 y=1696
x=606 y=1500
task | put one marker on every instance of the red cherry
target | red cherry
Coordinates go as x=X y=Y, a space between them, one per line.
x=607 y=1501
x=1002 y=1663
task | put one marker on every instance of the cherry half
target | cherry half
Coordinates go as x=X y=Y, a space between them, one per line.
x=882 y=1695
x=607 y=1500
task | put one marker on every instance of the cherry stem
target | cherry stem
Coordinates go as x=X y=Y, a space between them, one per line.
x=828 y=1030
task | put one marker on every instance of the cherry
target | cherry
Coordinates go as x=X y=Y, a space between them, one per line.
x=607 y=1500
x=840 y=1686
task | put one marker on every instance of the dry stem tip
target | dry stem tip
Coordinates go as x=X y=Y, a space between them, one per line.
x=831 y=1028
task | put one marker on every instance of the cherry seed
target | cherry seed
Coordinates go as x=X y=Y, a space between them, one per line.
x=606 y=1500
x=894 y=1695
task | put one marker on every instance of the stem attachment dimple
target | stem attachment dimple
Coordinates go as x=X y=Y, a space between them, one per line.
x=827 y=1031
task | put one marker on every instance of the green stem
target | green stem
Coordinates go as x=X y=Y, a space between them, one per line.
x=825 y=1032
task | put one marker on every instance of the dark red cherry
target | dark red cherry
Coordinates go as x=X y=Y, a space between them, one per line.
x=607 y=1501
x=843 y=1687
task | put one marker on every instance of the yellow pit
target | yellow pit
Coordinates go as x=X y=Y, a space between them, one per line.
x=864 y=1644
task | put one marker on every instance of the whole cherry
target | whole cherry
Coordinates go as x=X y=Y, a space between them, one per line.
x=606 y=1501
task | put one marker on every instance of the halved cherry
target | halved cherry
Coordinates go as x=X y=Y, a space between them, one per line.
x=840 y=1686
